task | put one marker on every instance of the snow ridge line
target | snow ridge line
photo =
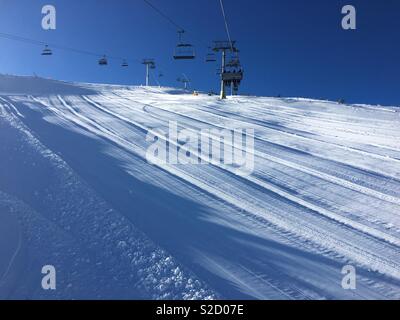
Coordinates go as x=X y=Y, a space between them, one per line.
x=314 y=113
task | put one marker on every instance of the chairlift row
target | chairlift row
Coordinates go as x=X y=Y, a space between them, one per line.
x=103 y=61
x=183 y=51
x=186 y=51
x=232 y=73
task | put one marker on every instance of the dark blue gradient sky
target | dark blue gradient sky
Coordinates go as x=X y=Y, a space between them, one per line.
x=292 y=48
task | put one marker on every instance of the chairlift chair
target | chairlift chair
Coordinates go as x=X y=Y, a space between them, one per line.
x=124 y=64
x=233 y=71
x=184 y=51
x=103 y=61
x=211 y=57
x=232 y=76
x=47 y=51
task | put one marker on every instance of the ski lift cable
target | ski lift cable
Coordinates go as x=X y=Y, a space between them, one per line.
x=171 y=21
x=180 y=29
x=226 y=24
x=75 y=50
x=52 y=45
x=41 y=43
x=183 y=51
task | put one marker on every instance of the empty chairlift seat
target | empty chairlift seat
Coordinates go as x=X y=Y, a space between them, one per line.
x=103 y=61
x=211 y=57
x=47 y=51
x=184 y=51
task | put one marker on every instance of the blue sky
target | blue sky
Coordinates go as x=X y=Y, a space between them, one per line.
x=292 y=48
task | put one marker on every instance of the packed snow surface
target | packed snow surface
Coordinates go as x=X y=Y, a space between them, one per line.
x=77 y=192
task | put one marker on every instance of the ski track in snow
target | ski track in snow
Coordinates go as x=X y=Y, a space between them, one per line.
x=325 y=191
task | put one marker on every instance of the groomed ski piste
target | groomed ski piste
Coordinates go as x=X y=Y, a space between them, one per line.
x=77 y=192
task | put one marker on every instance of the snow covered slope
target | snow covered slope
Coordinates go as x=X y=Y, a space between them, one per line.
x=77 y=192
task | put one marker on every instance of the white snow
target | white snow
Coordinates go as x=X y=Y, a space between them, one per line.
x=77 y=191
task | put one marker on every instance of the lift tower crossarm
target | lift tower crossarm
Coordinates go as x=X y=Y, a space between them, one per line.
x=224 y=45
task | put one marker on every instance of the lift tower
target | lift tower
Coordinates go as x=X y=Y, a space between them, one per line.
x=227 y=77
x=185 y=81
x=150 y=64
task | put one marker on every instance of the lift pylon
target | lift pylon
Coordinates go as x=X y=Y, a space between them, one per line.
x=150 y=64
x=228 y=77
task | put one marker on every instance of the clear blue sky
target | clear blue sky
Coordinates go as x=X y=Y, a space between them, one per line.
x=292 y=48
